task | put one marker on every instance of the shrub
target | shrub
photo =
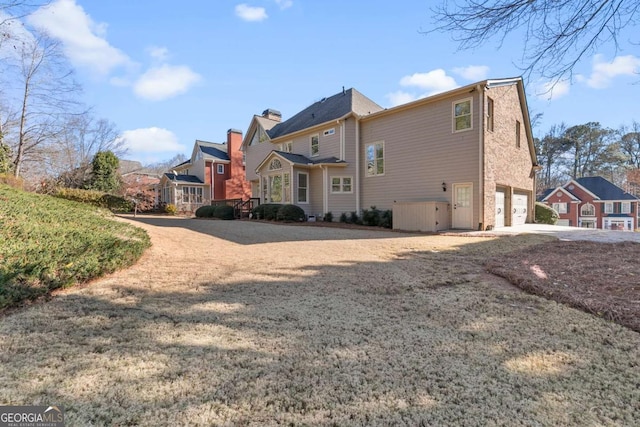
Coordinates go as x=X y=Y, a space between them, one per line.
x=343 y=217
x=205 y=211
x=290 y=213
x=115 y=203
x=371 y=217
x=546 y=214
x=386 y=219
x=171 y=209
x=268 y=211
x=224 y=212
x=354 y=219
x=95 y=198
x=328 y=217
x=12 y=181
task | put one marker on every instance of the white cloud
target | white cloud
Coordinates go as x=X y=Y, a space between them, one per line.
x=151 y=140
x=434 y=81
x=553 y=90
x=400 y=97
x=159 y=53
x=604 y=72
x=164 y=82
x=250 y=13
x=83 y=40
x=472 y=72
x=284 y=4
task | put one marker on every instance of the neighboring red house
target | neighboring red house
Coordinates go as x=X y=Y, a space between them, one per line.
x=593 y=202
x=214 y=172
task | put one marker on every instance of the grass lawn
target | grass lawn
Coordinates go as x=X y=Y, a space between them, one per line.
x=230 y=323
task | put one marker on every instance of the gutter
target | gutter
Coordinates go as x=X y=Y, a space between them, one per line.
x=357 y=183
x=481 y=191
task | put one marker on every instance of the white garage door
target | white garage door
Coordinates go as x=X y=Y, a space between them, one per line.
x=519 y=209
x=499 y=209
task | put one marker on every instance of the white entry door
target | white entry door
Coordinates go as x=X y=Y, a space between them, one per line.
x=499 y=209
x=463 y=206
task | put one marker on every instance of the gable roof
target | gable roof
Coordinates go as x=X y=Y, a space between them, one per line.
x=300 y=160
x=325 y=110
x=183 y=179
x=212 y=150
x=604 y=189
x=547 y=193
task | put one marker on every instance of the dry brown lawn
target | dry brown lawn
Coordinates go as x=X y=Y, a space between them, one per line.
x=242 y=323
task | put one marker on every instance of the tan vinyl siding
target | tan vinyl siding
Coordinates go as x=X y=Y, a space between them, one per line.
x=255 y=155
x=197 y=169
x=339 y=203
x=315 y=192
x=421 y=152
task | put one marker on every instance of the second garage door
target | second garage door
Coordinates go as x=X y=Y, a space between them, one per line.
x=519 y=208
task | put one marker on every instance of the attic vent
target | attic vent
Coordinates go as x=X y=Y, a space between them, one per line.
x=329 y=132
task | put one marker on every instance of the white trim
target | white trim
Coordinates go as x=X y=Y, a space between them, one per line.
x=341 y=178
x=325 y=190
x=218 y=166
x=553 y=193
x=366 y=160
x=357 y=183
x=622 y=210
x=608 y=204
x=317 y=136
x=453 y=114
x=298 y=188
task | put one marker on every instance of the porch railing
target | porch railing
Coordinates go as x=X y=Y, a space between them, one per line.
x=241 y=208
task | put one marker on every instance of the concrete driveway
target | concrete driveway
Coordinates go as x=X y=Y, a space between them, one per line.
x=569 y=233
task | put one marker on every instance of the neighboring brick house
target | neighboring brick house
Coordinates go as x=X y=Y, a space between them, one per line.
x=593 y=202
x=214 y=172
x=470 y=148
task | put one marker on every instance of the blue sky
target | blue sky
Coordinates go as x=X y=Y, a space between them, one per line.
x=168 y=73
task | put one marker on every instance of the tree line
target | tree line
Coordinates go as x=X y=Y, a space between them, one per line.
x=590 y=150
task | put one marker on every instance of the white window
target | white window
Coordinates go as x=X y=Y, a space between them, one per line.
x=608 y=207
x=303 y=187
x=286 y=188
x=561 y=208
x=220 y=169
x=588 y=210
x=329 y=132
x=275 y=165
x=315 y=145
x=462 y=112
x=191 y=194
x=275 y=188
x=287 y=147
x=341 y=184
x=625 y=207
x=374 y=155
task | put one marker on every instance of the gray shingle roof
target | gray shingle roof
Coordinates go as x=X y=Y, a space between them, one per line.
x=184 y=179
x=304 y=160
x=326 y=110
x=214 y=152
x=604 y=189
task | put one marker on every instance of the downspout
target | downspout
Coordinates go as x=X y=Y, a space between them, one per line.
x=481 y=182
x=325 y=190
x=357 y=165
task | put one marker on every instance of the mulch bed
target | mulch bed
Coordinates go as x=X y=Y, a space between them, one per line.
x=599 y=278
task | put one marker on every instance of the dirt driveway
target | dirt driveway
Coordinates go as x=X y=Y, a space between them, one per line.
x=242 y=323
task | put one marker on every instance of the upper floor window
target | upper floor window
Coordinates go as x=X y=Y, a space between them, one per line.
x=561 y=208
x=220 y=169
x=462 y=115
x=608 y=207
x=489 y=114
x=374 y=154
x=315 y=145
x=625 y=207
x=287 y=147
x=517 y=134
x=588 y=210
x=275 y=165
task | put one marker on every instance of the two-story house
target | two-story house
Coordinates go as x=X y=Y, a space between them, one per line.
x=214 y=172
x=470 y=147
x=593 y=202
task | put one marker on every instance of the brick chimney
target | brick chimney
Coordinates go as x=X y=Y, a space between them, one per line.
x=272 y=114
x=234 y=141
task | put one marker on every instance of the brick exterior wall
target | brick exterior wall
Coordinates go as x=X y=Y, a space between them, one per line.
x=505 y=164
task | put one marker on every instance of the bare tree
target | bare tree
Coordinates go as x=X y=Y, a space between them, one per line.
x=557 y=34
x=11 y=12
x=46 y=96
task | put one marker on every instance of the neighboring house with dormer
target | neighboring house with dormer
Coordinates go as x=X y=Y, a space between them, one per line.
x=214 y=172
x=593 y=202
x=470 y=148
